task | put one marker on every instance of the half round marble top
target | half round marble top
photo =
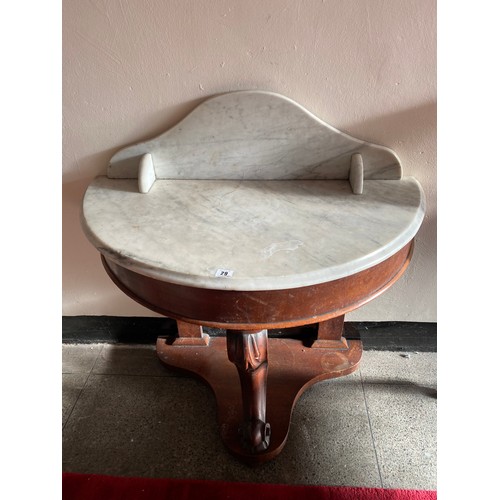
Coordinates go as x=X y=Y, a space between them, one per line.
x=251 y=234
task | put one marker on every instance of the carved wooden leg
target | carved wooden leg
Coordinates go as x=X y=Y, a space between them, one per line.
x=330 y=334
x=241 y=400
x=190 y=334
x=247 y=349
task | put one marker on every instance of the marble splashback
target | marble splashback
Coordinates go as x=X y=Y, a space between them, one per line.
x=248 y=234
x=254 y=135
x=252 y=192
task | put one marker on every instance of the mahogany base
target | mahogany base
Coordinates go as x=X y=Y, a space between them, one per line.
x=257 y=383
x=292 y=369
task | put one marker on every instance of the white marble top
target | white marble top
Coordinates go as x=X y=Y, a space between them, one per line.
x=252 y=192
x=251 y=235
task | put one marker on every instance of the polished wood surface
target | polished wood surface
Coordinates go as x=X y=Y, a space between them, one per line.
x=190 y=334
x=248 y=351
x=261 y=309
x=256 y=380
x=330 y=334
x=293 y=368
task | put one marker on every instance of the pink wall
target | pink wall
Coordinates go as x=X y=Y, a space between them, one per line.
x=132 y=68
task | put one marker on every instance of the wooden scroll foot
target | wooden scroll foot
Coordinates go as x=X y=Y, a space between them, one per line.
x=248 y=351
x=292 y=368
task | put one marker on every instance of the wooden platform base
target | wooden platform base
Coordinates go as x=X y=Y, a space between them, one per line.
x=292 y=368
x=256 y=380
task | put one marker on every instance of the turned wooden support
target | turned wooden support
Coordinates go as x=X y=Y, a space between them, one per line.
x=330 y=334
x=247 y=349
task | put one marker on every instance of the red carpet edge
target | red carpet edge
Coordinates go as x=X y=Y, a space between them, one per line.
x=102 y=487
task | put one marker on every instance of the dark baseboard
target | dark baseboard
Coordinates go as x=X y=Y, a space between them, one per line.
x=376 y=336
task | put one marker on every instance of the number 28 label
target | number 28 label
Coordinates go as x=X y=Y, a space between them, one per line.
x=224 y=273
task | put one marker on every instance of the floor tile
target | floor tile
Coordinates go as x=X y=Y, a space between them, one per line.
x=119 y=359
x=129 y=416
x=79 y=358
x=330 y=433
x=403 y=423
x=419 y=369
x=166 y=427
x=140 y=426
x=72 y=385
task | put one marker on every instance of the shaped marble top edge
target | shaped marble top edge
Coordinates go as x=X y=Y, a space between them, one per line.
x=254 y=135
x=390 y=213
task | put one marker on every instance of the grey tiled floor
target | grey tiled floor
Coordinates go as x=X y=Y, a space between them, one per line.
x=125 y=414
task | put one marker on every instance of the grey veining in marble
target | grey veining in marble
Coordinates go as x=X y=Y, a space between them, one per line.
x=254 y=135
x=269 y=234
x=252 y=192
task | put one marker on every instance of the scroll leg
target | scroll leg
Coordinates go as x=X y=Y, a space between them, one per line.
x=247 y=349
